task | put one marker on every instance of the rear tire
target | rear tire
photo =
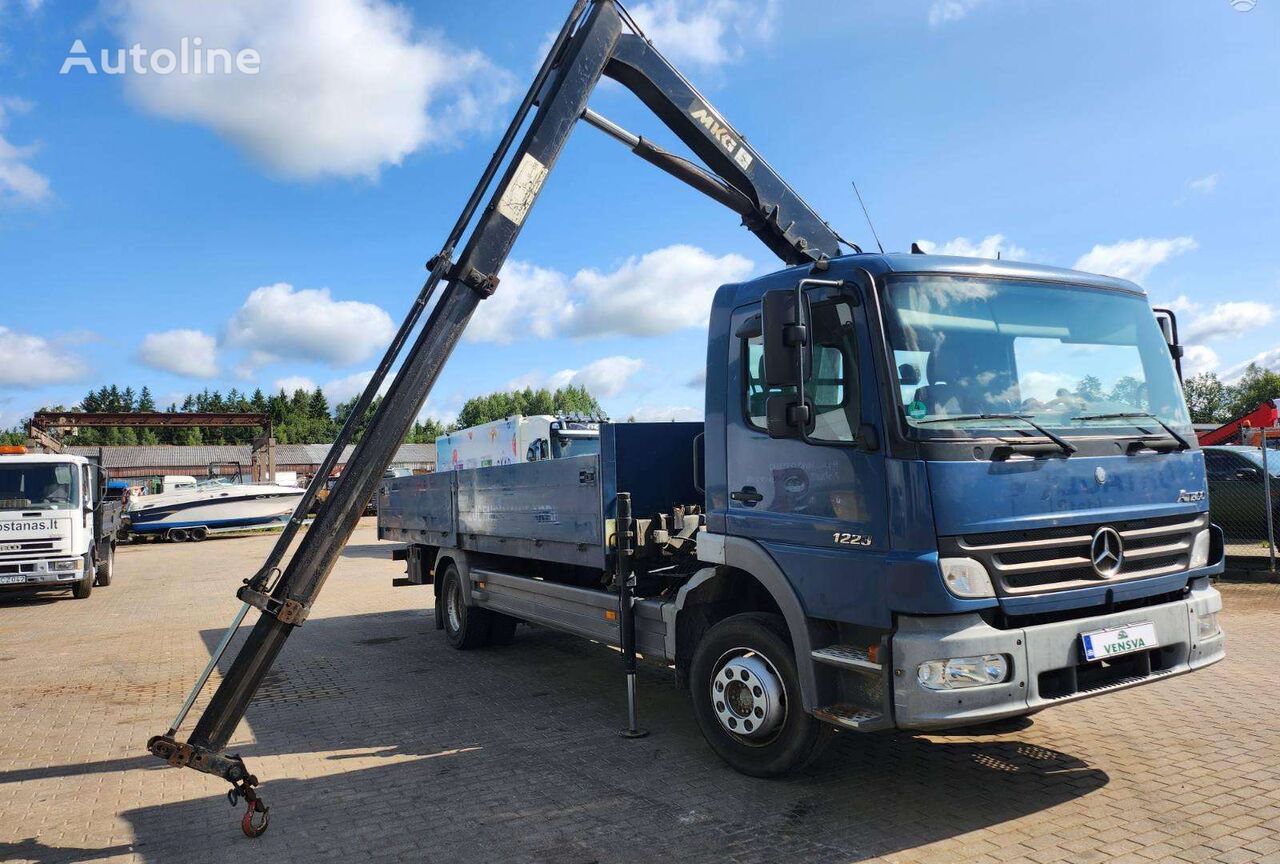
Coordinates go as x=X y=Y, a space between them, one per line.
x=82 y=589
x=108 y=568
x=466 y=627
x=743 y=674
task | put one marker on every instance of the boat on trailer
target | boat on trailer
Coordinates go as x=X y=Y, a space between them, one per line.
x=220 y=503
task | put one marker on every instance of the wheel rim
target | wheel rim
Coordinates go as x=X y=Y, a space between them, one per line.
x=748 y=696
x=453 y=604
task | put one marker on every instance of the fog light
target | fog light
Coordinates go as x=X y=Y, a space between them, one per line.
x=966 y=577
x=64 y=566
x=1200 y=550
x=1207 y=625
x=960 y=672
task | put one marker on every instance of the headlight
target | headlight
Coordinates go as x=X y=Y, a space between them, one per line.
x=1200 y=550
x=966 y=578
x=1207 y=625
x=64 y=566
x=961 y=672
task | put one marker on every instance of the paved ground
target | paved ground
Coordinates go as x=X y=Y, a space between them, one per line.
x=377 y=743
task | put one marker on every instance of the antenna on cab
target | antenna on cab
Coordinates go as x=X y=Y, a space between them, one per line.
x=870 y=224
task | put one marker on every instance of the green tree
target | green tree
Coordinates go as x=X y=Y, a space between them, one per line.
x=1256 y=385
x=1207 y=398
x=495 y=406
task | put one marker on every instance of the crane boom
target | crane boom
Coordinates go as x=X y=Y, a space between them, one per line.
x=591 y=44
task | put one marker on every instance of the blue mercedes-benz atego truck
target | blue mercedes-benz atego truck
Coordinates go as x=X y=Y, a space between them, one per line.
x=929 y=492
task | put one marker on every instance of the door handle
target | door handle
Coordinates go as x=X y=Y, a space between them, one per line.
x=747 y=495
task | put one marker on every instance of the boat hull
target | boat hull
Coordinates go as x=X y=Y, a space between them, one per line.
x=229 y=510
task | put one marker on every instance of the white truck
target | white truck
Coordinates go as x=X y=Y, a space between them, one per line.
x=57 y=527
x=514 y=439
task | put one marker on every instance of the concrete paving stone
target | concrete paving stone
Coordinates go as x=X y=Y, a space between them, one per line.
x=377 y=743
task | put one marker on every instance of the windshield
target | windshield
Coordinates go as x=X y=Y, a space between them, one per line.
x=44 y=486
x=1056 y=353
x=564 y=446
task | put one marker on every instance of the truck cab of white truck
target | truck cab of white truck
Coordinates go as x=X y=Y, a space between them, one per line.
x=57 y=529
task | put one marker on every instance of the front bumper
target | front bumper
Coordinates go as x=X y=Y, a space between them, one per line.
x=34 y=574
x=1047 y=665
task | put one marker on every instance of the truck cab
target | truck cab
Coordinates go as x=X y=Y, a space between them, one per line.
x=977 y=480
x=57 y=527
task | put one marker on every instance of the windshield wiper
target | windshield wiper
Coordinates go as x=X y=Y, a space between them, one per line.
x=1063 y=444
x=1183 y=443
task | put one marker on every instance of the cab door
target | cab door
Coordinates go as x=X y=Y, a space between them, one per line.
x=818 y=506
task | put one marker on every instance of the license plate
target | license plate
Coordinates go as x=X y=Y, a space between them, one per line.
x=12 y=580
x=1114 y=641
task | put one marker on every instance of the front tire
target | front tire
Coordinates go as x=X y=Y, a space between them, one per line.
x=82 y=589
x=746 y=697
x=466 y=627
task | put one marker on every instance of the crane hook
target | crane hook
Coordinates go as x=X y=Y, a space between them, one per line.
x=247 y=824
x=253 y=804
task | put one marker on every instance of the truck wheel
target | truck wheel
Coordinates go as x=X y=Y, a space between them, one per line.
x=746 y=696
x=84 y=587
x=108 y=568
x=466 y=627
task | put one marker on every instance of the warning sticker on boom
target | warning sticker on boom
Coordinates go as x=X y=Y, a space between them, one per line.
x=523 y=189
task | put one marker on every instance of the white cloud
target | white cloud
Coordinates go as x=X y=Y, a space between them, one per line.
x=345 y=87
x=19 y=182
x=28 y=361
x=987 y=247
x=699 y=379
x=661 y=292
x=292 y=383
x=1133 y=259
x=182 y=352
x=1269 y=359
x=1204 y=185
x=666 y=413
x=530 y=301
x=1182 y=305
x=944 y=11
x=1197 y=359
x=350 y=386
x=1229 y=319
x=605 y=377
x=279 y=322
x=705 y=32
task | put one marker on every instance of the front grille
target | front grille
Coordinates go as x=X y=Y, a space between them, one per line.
x=1051 y=559
x=10 y=549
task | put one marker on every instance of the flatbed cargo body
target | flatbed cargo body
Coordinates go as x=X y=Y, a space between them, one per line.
x=557 y=510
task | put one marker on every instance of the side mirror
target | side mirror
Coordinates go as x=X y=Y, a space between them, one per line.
x=1169 y=327
x=1253 y=474
x=785 y=338
x=786 y=416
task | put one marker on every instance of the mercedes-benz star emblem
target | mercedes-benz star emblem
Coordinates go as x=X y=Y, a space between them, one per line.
x=1107 y=552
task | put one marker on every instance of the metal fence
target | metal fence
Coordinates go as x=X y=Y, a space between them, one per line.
x=1244 y=494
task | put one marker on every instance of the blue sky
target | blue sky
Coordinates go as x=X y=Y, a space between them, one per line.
x=187 y=231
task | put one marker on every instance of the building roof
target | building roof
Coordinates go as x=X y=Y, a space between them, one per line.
x=179 y=456
x=165 y=455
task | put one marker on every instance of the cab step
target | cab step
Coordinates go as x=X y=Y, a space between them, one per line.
x=853 y=717
x=846 y=657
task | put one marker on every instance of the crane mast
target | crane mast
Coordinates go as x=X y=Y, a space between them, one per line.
x=597 y=40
